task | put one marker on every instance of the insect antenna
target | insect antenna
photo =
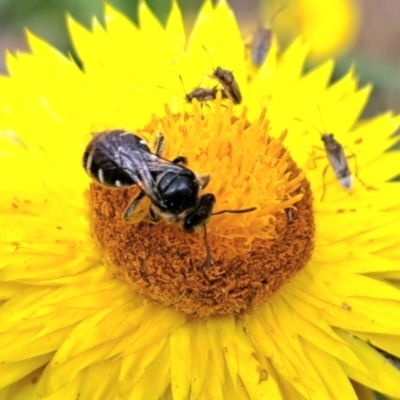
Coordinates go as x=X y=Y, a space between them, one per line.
x=170 y=90
x=209 y=57
x=183 y=86
x=208 y=250
x=312 y=126
x=321 y=119
x=239 y=211
x=277 y=13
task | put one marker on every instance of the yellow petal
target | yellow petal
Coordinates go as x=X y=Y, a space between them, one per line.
x=385 y=381
x=99 y=389
x=11 y=372
x=180 y=350
x=332 y=374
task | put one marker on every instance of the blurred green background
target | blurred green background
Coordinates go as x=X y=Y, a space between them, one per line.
x=376 y=51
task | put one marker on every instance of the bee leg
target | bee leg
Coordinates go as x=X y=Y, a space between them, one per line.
x=132 y=206
x=153 y=216
x=204 y=181
x=159 y=145
x=180 y=160
x=323 y=181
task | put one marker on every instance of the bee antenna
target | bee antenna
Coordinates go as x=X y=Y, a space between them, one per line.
x=307 y=123
x=239 y=211
x=209 y=57
x=208 y=250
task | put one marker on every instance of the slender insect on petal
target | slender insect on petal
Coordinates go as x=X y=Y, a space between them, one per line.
x=262 y=41
x=337 y=160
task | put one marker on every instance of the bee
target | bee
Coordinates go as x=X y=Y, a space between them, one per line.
x=117 y=158
x=226 y=79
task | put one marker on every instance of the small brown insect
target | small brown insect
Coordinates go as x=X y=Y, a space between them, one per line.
x=228 y=82
x=201 y=94
x=226 y=79
x=260 y=46
x=261 y=42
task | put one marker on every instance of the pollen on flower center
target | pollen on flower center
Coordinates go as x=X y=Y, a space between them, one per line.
x=253 y=254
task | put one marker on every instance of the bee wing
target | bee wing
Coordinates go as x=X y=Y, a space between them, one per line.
x=124 y=159
x=158 y=164
x=110 y=163
x=134 y=165
x=146 y=166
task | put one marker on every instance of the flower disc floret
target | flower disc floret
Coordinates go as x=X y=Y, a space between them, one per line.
x=253 y=254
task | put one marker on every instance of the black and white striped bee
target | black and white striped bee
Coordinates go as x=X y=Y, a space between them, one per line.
x=118 y=158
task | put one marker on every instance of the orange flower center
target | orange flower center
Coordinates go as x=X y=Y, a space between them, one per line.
x=253 y=254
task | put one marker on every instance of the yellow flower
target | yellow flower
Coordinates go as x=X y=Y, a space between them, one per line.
x=301 y=291
x=330 y=27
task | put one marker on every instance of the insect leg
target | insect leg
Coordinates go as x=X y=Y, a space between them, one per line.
x=132 y=206
x=315 y=158
x=180 y=160
x=159 y=145
x=356 y=169
x=204 y=181
x=153 y=216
